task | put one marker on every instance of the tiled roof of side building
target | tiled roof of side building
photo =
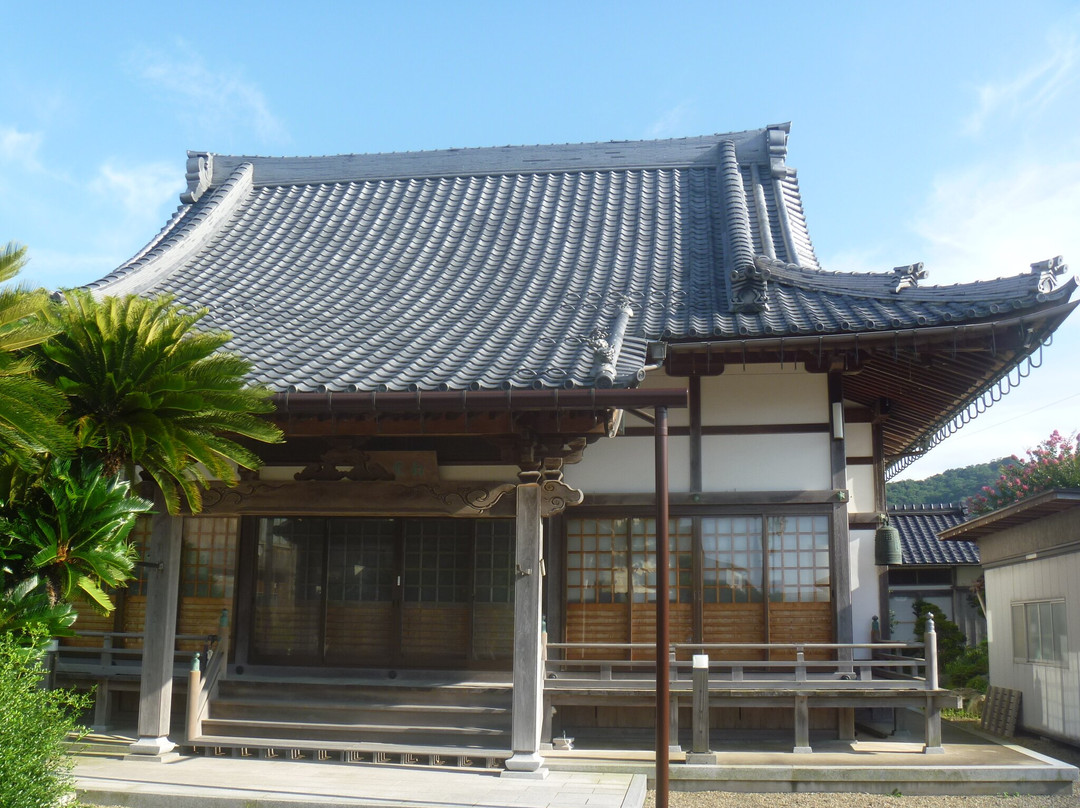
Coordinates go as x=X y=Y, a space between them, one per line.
x=919 y=526
x=512 y=267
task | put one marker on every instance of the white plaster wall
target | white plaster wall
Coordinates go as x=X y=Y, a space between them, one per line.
x=658 y=379
x=765 y=462
x=478 y=473
x=860 y=483
x=859 y=440
x=625 y=465
x=764 y=394
x=865 y=602
x=1051 y=700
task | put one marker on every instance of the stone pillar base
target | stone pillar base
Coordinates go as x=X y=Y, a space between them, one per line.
x=701 y=758
x=159 y=749
x=527 y=766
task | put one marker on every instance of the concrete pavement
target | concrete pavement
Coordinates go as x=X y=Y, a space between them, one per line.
x=252 y=783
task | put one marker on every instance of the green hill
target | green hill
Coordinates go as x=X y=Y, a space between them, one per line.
x=954 y=485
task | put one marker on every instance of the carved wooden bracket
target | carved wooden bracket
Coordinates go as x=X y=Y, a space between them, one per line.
x=555 y=496
x=361 y=467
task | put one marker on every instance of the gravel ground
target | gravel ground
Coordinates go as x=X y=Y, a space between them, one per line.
x=728 y=799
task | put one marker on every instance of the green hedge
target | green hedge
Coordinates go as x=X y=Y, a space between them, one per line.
x=35 y=769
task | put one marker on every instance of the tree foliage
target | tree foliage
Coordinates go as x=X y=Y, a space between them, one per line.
x=1054 y=463
x=90 y=390
x=954 y=485
x=73 y=532
x=30 y=408
x=146 y=388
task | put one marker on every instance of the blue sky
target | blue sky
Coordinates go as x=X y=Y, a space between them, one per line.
x=938 y=132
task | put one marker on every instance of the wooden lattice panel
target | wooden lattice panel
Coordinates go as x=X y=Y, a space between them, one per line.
x=734 y=623
x=1001 y=711
x=801 y=622
x=596 y=622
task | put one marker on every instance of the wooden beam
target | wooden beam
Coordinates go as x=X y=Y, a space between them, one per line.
x=350 y=498
x=715 y=498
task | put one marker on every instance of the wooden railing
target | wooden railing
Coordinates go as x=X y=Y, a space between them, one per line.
x=113 y=659
x=111 y=664
x=203 y=686
x=730 y=663
x=837 y=676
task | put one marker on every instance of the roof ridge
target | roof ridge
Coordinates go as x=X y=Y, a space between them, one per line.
x=170 y=250
x=902 y=285
x=767 y=146
x=718 y=136
x=926 y=507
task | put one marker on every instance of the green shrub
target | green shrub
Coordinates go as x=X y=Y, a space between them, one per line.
x=970 y=669
x=35 y=770
x=951 y=643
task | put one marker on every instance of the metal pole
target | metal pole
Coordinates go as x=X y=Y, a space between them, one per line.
x=663 y=665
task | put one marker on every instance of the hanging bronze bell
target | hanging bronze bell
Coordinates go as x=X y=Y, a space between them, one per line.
x=887 y=545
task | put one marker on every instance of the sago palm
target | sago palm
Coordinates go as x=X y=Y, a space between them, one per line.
x=27 y=614
x=29 y=408
x=146 y=388
x=72 y=531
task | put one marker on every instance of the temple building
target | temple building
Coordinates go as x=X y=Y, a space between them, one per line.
x=473 y=355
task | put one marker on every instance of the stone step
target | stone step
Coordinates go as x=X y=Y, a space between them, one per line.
x=353 y=693
x=315 y=731
x=388 y=713
x=415 y=752
x=98 y=744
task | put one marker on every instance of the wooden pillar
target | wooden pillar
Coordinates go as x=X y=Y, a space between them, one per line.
x=802 y=725
x=846 y=724
x=933 y=704
x=159 y=639
x=663 y=642
x=701 y=704
x=840 y=543
x=526 y=760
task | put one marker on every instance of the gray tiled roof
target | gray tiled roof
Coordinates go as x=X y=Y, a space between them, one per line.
x=919 y=526
x=508 y=267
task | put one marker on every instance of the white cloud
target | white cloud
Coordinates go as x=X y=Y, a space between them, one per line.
x=214 y=99
x=994 y=220
x=141 y=190
x=1032 y=90
x=20 y=147
x=671 y=122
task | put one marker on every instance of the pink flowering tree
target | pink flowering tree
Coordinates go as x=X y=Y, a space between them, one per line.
x=1054 y=463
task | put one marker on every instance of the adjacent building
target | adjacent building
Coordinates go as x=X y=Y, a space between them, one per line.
x=1031 y=555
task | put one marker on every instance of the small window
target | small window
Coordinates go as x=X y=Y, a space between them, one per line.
x=1039 y=632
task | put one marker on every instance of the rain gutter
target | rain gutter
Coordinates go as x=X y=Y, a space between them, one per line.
x=325 y=404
